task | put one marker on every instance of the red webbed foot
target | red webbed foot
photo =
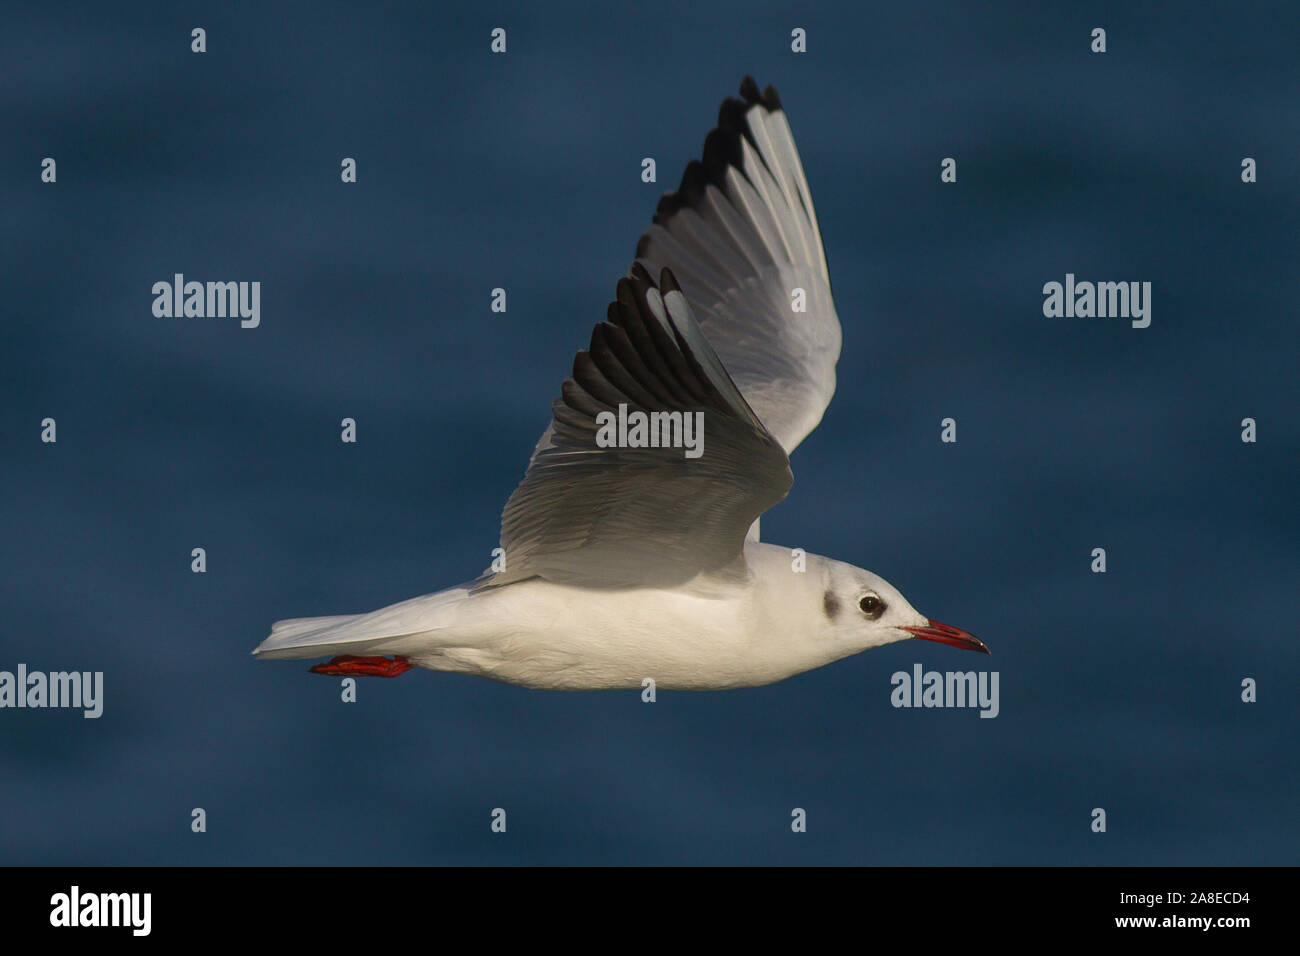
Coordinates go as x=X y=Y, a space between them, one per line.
x=349 y=666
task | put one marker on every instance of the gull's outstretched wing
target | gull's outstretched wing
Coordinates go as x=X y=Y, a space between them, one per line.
x=598 y=516
x=741 y=236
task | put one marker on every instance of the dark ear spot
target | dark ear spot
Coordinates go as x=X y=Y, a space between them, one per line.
x=831 y=604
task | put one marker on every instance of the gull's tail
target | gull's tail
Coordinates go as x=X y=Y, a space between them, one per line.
x=380 y=632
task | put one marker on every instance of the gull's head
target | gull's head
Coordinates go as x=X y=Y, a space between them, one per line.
x=864 y=610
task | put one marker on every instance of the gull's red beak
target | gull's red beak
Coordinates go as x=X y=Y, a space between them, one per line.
x=945 y=634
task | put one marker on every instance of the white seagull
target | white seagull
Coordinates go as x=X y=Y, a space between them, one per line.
x=631 y=548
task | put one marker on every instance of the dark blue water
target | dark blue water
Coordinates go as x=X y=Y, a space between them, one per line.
x=1118 y=690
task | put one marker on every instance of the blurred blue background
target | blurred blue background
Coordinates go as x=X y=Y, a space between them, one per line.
x=1119 y=691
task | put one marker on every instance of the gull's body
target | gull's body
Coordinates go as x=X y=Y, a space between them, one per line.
x=629 y=562
x=711 y=633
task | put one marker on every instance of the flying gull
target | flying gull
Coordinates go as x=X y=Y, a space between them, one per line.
x=631 y=548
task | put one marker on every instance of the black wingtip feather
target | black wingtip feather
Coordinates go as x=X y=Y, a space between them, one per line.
x=731 y=116
x=693 y=182
x=688 y=193
x=722 y=149
x=625 y=296
x=768 y=98
x=641 y=278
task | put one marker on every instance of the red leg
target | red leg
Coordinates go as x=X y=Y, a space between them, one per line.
x=349 y=666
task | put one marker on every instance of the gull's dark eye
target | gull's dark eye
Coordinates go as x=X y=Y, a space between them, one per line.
x=872 y=606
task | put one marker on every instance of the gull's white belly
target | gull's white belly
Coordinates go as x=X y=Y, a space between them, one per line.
x=544 y=635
